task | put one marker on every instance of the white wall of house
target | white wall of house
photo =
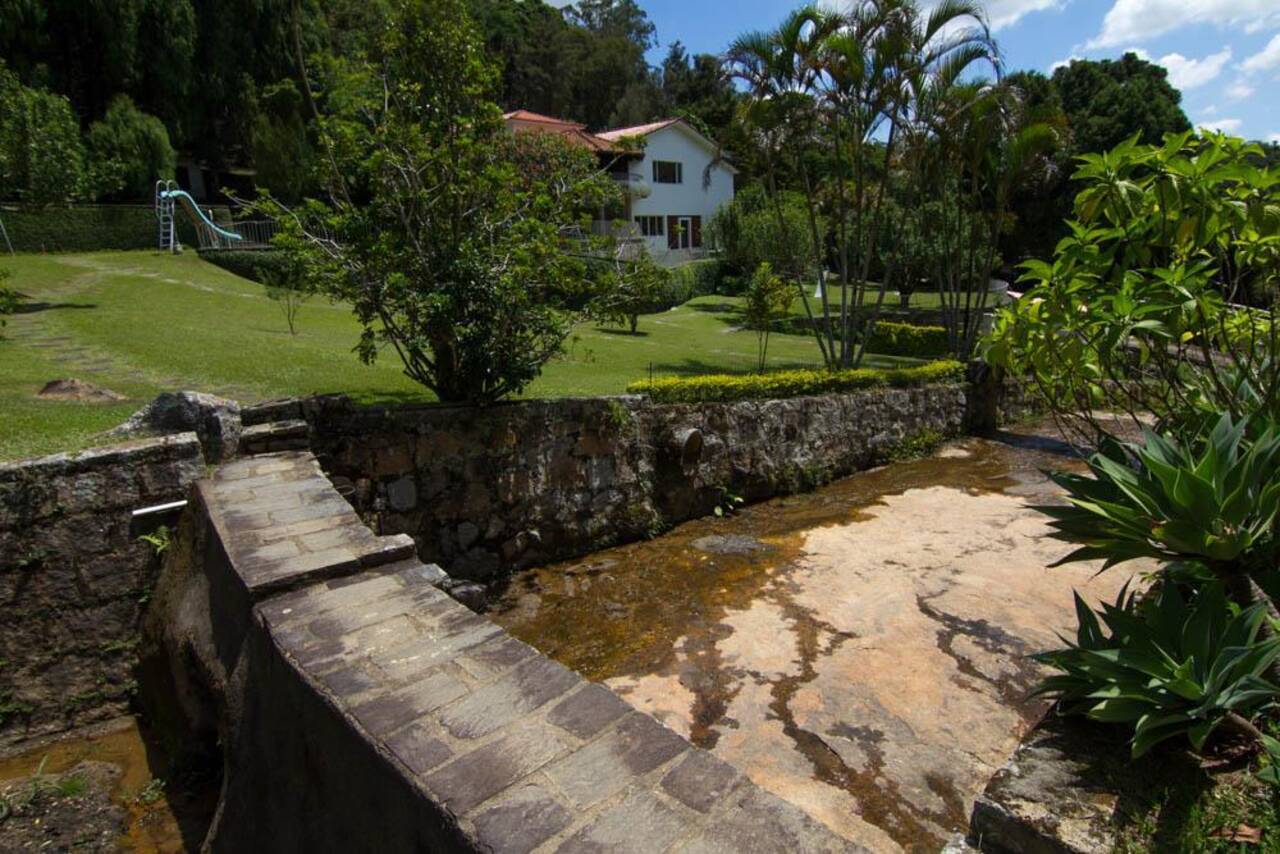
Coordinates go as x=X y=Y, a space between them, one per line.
x=689 y=198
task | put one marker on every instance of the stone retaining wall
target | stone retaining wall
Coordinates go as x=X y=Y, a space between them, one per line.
x=486 y=491
x=361 y=707
x=74 y=578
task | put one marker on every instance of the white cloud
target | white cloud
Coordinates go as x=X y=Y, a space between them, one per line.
x=1225 y=125
x=1143 y=20
x=1274 y=137
x=1266 y=59
x=1239 y=90
x=1187 y=73
x=1005 y=13
x=1061 y=63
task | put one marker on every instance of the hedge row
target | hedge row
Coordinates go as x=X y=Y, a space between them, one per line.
x=907 y=339
x=892 y=338
x=87 y=228
x=258 y=265
x=727 y=387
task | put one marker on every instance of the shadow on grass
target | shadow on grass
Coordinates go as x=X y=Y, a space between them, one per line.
x=639 y=333
x=697 y=367
x=37 y=307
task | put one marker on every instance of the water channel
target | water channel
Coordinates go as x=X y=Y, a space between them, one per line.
x=861 y=651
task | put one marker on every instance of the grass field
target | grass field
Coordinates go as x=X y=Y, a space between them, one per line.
x=139 y=323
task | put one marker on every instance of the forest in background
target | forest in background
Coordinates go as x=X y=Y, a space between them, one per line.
x=99 y=97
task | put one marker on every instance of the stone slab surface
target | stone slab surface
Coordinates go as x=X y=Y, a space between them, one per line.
x=283 y=524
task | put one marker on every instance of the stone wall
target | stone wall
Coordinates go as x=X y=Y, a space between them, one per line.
x=74 y=578
x=518 y=484
x=362 y=707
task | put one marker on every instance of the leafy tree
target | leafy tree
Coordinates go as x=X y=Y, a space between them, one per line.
x=444 y=231
x=611 y=39
x=1157 y=300
x=754 y=230
x=840 y=82
x=1107 y=101
x=632 y=288
x=699 y=88
x=41 y=155
x=767 y=300
x=282 y=154
x=129 y=151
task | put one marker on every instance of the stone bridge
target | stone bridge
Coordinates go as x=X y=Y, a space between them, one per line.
x=359 y=707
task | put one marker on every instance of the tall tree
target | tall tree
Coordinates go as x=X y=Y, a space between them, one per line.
x=1107 y=101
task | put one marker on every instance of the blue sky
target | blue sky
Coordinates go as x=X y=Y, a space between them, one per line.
x=1223 y=54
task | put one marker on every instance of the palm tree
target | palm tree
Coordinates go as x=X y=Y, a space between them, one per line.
x=848 y=83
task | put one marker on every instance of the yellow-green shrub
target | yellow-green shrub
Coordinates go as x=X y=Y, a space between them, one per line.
x=726 y=387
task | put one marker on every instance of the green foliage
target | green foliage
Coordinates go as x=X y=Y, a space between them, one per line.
x=630 y=289
x=444 y=232
x=129 y=151
x=9 y=298
x=259 y=265
x=767 y=300
x=282 y=155
x=42 y=158
x=696 y=279
x=781 y=384
x=1110 y=100
x=754 y=230
x=1211 y=497
x=87 y=228
x=1168 y=667
x=908 y=339
x=160 y=539
x=917 y=445
x=1135 y=310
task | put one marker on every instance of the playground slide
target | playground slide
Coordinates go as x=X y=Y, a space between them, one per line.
x=193 y=210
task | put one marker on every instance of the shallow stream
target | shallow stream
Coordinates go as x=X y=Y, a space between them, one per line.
x=861 y=651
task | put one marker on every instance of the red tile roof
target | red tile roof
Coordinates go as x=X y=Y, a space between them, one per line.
x=636 y=130
x=574 y=132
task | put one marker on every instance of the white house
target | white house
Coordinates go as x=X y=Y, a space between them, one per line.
x=673 y=177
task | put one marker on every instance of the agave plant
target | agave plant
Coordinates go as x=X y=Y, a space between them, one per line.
x=1167 y=666
x=1210 y=498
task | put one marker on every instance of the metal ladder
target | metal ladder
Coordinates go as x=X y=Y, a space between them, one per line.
x=164 y=213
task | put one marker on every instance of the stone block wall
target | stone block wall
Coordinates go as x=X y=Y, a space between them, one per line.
x=362 y=707
x=74 y=578
x=491 y=490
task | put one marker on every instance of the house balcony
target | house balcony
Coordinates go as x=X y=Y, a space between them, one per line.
x=633 y=183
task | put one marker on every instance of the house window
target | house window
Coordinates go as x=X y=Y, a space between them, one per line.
x=668 y=172
x=651 y=226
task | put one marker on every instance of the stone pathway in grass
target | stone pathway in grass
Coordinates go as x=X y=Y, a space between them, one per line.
x=37 y=327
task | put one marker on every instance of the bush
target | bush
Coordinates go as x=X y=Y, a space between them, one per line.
x=727 y=387
x=891 y=338
x=695 y=279
x=259 y=265
x=129 y=151
x=907 y=339
x=41 y=154
x=88 y=228
x=1167 y=667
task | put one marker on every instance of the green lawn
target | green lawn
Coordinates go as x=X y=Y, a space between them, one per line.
x=140 y=322
x=920 y=300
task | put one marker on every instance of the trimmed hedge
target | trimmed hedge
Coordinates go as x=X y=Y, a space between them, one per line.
x=891 y=338
x=253 y=264
x=907 y=339
x=87 y=228
x=728 y=387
